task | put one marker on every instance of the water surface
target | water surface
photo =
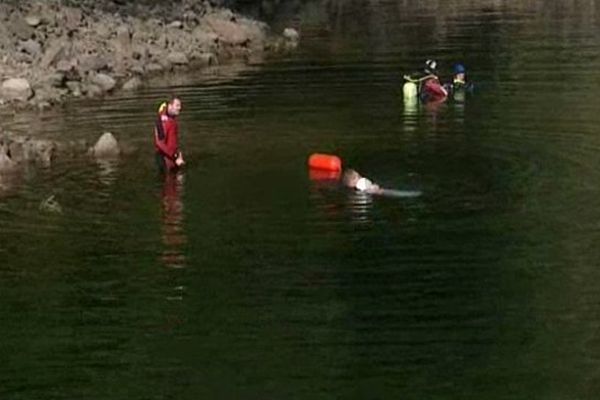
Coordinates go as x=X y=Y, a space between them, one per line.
x=244 y=278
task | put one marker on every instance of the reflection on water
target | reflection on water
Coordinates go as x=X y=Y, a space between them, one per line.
x=173 y=230
x=360 y=205
x=107 y=170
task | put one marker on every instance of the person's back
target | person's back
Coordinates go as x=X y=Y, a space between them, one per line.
x=431 y=88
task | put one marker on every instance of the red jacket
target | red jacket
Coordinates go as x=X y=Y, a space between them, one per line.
x=165 y=138
x=433 y=90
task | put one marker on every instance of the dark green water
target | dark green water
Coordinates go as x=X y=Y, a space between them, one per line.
x=245 y=279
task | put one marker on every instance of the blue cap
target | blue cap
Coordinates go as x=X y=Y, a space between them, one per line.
x=459 y=69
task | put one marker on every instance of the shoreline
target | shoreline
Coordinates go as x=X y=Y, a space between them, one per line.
x=51 y=53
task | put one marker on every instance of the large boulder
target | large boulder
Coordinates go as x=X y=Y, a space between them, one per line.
x=106 y=146
x=16 y=89
x=228 y=31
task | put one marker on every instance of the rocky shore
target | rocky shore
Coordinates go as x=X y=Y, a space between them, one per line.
x=52 y=50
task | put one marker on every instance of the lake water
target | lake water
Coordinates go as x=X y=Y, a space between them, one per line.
x=243 y=278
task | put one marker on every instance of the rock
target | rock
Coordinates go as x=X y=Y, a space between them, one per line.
x=47 y=94
x=92 y=90
x=106 y=147
x=72 y=18
x=51 y=205
x=6 y=163
x=56 y=79
x=74 y=87
x=105 y=82
x=39 y=150
x=229 y=32
x=31 y=47
x=65 y=66
x=291 y=34
x=137 y=69
x=91 y=62
x=16 y=89
x=53 y=53
x=132 y=84
x=207 y=59
x=33 y=20
x=16 y=150
x=178 y=58
x=140 y=52
x=175 y=25
x=123 y=41
x=153 y=68
x=20 y=28
x=163 y=41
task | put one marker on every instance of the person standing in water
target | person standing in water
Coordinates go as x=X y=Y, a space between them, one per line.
x=166 y=132
x=424 y=85
x=431 y=88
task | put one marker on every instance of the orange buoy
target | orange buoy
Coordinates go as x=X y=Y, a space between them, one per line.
x=323 y=175
x=325 y=162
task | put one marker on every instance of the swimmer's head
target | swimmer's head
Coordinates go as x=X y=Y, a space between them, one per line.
x=350 y=178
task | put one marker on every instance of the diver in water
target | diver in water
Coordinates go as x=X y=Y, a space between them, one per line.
x=459 y=82
x=425 y=85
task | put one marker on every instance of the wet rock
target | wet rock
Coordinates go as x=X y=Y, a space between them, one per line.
x=105 y=82
x=51 y=205
x=132 y=84
x=56 y=80
x=92 y=90
x=39 y=150
x=47 y=95
x=74 y=87
x=16 y=89
x=15 y=149
x=207 y=59
x=6 y=163
x=178 y=58
x=106 y=146
x=154 y=68
x=291 y=34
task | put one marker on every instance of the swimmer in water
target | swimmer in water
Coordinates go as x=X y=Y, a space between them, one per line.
x=354 y=180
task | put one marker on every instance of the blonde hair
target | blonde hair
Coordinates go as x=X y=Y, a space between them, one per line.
x=350 y=177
